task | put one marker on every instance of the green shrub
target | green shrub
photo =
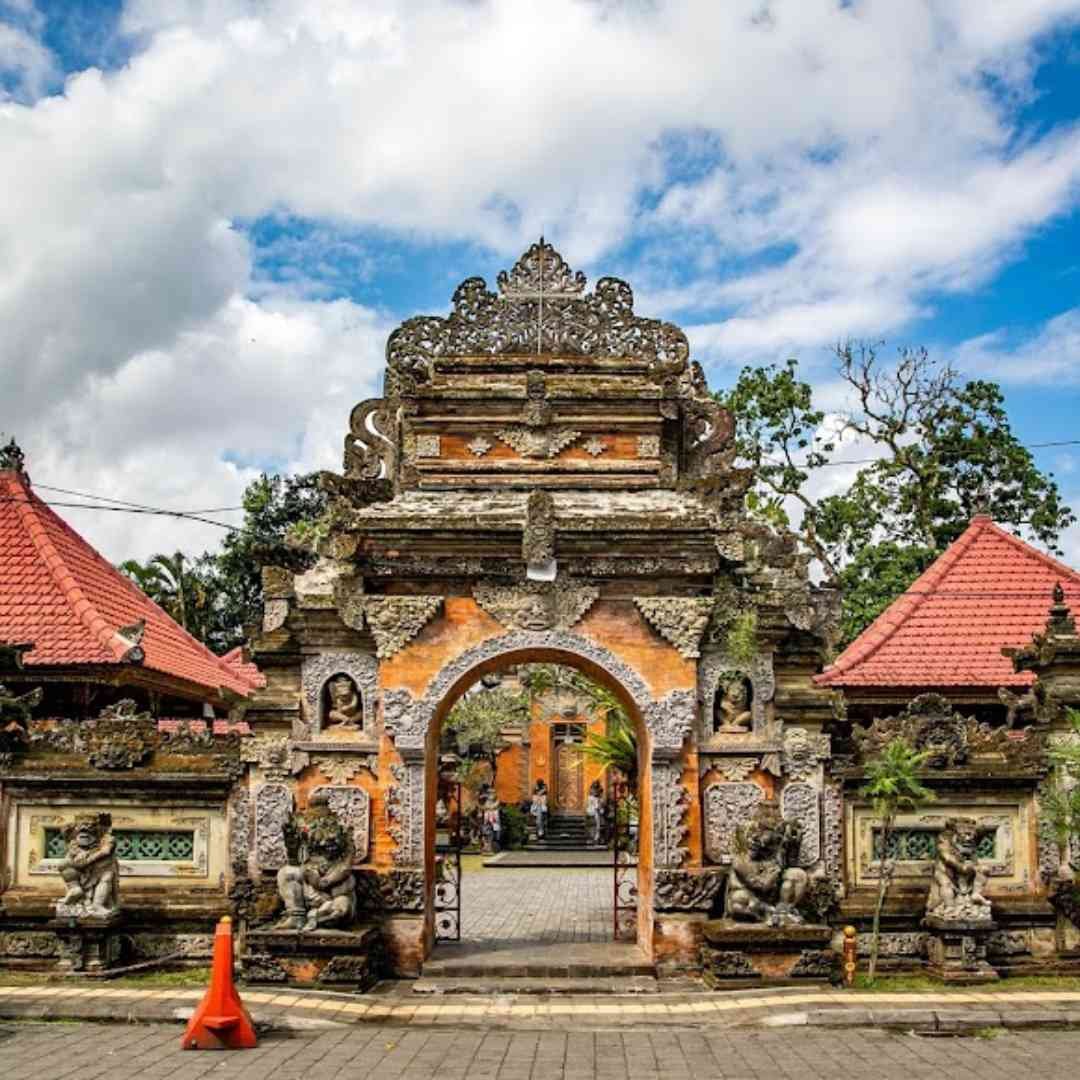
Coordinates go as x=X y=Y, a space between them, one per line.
x=515 y=827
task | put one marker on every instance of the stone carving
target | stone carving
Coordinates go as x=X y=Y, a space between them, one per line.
x=536 y=411
x=648 y=446
x=340 y=770
x=574 y=323
x=1008 y=943
x=344 y=708
x=403 y=720
x=405 y=810
x=541 y=269
x=275 y=755
x=260 y=968
x=682 y=890
x=956 y=890
x=316 y=883
x=727 y=806
x=815 y=964
x=369 y=447
x=803 y=751
x=765 y=885
x=536 y=605
x=728 y=963
x=15 y=710
x=29 y=944
x=716 y=668
x=670 y=801
x=317 y=671
x=396 y=620
x=121 y=737
x=731 y=709
x=12 y=457
x=542 y=442
x=1019 y=706
x=478 y=446
x=538 y=535
x=736 y=770
x=894 y=944
x=399 y=890
x=239 y=829
x=952 y=741
x=670 y=719
x=90 y=869
x=710 y=451
x=275 y=612
x=171 y=946
x=679 y=620
x=799 y=802
x=351 y=805
x=832 y=815
x=594 y=447
x=273 y=808
x=428 y=446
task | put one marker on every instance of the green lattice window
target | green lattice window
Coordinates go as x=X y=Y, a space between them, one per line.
x=915 y=845
x=136 y=845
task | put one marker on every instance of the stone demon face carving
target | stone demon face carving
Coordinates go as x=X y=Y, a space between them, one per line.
x=965 y=836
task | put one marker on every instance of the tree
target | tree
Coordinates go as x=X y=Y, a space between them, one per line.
x=942 y=449
x=1059 y=800
x=169 y=582
x=477 y=721
x=892 y=785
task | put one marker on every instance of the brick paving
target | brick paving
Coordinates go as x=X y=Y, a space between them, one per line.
x=151 y=1051
x=536 y=905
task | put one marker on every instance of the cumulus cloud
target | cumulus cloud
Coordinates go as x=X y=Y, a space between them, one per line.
x=858 y=151
x=1050 y=356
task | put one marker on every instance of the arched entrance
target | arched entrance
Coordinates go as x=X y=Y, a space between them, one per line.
x=488 y=660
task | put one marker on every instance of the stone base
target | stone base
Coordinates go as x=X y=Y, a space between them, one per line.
x=332 y=959
x=735 y=953
x=88 y=942
x=956 y=950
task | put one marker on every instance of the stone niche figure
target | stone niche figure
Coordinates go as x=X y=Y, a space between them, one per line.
x=731 y=706
x=764 y=885
x=956 y=890
x=316 y=884
x=344 y=706
x=90 y=869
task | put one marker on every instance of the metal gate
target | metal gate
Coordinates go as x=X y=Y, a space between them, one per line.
x=624 y=862
x=448 y=862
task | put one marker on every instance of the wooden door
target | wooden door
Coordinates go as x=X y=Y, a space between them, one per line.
x=570 y=777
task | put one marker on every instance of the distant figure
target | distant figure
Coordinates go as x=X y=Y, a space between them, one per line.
x=540 y=808
x=594 y=807
x=490 y=818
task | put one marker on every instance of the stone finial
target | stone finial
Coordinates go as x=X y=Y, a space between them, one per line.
x=1061 y=622
x=12 y=458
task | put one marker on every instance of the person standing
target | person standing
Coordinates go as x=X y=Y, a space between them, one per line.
x=540 y=808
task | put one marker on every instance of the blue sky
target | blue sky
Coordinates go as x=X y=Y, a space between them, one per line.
x=217 y=211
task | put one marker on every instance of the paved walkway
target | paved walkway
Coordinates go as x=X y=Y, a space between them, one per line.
x=296 y=1010
x=111 y=1052
x=536 y=905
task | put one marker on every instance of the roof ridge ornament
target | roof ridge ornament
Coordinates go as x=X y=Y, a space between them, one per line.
x=12 y=457
x=541 y=269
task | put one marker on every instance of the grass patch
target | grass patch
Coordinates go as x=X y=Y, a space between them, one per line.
x=186 y=978
x=990 y=1032
x=914 y=983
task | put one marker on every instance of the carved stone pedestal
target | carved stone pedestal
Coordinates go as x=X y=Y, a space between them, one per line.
x=956 y=949
x=88 y=942
x=339 y=959
x=734 y=953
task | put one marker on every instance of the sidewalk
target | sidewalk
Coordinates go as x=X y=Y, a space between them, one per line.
x=296 y=1010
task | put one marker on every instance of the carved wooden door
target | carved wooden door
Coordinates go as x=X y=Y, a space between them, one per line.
x=570 y=775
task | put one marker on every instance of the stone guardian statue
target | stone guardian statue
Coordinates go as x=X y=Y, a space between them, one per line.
x=765 y=886
x=90 y=869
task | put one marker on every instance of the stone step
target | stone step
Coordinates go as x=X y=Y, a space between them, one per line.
x=487 y=986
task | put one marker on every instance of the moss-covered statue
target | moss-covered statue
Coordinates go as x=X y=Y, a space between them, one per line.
x=90 y=869
x=316 y=884
x=956 y=891
x=765 y=886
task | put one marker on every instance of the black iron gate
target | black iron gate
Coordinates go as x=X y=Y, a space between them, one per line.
x=624 y=862
x=448 y=861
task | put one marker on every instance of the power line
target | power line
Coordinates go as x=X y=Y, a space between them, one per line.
x=125 y=502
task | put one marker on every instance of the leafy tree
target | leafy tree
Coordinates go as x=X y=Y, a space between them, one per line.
x=616 y=748
x=169 y=581
x=943 y=448
x=477 y=721
x=892 y=785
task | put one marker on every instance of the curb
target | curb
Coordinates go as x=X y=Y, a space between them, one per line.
x=938 y=1021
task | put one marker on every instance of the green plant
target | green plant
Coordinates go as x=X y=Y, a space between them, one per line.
x=515 y=827
x=616 y=748
x=741 y=639
x=477 y=721
x=1059 y=798
x=892 y=785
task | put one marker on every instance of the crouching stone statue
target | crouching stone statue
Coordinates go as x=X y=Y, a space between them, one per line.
x=956 y=891
x=90 y=869
x=764 y=885
x=316 y=884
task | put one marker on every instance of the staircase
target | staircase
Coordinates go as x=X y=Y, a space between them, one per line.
x=565 y=832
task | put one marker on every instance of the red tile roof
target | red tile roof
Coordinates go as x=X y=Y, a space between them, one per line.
x=59 y=593
x=988 y=590
x=237 y=659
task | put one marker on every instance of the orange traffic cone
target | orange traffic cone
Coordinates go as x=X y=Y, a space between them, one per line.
x=221 y=1022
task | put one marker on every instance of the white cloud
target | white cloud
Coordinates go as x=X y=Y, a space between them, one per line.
x=1050 y=356
x=860 y=139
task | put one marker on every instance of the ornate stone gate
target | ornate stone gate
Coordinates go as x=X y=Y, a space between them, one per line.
x=546 y=478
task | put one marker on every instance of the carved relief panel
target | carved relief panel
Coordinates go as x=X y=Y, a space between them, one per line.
x=338 y=701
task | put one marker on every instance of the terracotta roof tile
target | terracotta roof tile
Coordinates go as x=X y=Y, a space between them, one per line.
x=987 y=591
x=59 y=593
